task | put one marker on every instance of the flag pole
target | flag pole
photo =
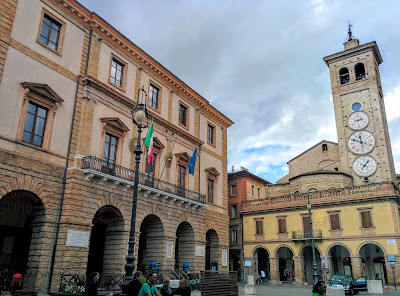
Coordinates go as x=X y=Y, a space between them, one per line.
x=169 y=154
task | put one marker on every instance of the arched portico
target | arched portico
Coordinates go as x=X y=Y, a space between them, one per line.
x=340 y=259
x=373 y=263
x=212 y=250
x=306 y=253
x=285 y=256
x=261 y=261
x=184 y=247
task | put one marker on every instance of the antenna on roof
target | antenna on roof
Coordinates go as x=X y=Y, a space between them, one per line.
x=350 y=37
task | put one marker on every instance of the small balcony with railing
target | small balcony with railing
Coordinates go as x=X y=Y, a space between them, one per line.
x=116 y=175
x=304 y=235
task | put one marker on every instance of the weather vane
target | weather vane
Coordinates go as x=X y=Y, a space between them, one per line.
x=350 y=33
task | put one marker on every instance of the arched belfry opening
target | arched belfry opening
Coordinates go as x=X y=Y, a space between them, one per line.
x=22 y=216
x=344 y=76
x=107 y=250
x=360 y=71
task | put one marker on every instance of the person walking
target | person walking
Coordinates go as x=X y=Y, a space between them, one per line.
x=319 y=289
x=183 y=289
x=149 y=288
x=136 y=284
x=263 y=276
x=166 y=289
x=92 y=284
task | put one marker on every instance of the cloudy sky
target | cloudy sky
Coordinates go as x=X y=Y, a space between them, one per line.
x=260 y=63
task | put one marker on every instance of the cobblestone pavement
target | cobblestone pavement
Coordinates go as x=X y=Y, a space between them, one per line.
x=283 y=290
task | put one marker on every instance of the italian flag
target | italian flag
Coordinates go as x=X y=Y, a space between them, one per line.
x=149 y=143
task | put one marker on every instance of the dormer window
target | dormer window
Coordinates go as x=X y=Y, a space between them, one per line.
x=324 y=147
x=360 y=71
x=344 y=76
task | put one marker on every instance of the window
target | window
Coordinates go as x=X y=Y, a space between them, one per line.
x=182 y=114
x=335 y=224
x=234 y=211
x=344 y=76
x=259 y=192
x=252 y=190
x=366 y=221
x=233 y=190
x=149 y=170
x=282 y=225
x=181 y=177
x=34 y=124
x=210 y=190
x=110 y=148
x=324 y=147
x=234 y=237
x=117 y=72
x=210 y=134
x=51 y=32
x=153 y=96
x=360 y=71
x=306 y=226
x=259 y=227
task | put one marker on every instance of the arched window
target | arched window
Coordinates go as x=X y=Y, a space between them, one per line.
x=324 y=147
x=360 y=71
x=312 y=190
x=344 y=76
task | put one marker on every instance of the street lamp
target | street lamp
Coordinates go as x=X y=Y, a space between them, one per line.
x=141 y=119
x=315 y=274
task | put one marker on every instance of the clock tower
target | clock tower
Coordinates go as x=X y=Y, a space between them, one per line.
x=363 y=136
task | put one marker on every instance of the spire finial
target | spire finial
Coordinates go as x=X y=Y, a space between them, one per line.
x=350 y=33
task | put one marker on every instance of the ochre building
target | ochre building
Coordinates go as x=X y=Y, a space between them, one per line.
x=351 y=187
x=68 y=83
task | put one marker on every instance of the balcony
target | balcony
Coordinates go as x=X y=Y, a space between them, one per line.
x=121 y=176
x=301 y=235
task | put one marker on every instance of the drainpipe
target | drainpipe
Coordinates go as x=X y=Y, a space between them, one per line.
x=64 y=178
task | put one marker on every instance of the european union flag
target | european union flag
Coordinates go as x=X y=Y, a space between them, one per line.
x=192 y=162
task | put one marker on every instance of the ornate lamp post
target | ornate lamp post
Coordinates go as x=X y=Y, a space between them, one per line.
x=141 y=119
x=315 y=273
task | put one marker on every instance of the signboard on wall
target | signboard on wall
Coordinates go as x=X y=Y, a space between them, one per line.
x=170 y=247
x=247 y=262
x=224 y=258
x=200 y=251
x=391 y=242
x=77 y=239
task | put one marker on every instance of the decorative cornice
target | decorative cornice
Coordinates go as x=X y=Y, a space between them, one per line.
x=91 y=20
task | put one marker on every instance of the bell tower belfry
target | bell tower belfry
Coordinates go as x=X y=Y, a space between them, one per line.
x=363 y=135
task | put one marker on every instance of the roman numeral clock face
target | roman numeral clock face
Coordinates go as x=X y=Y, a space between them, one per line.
x=361 y=142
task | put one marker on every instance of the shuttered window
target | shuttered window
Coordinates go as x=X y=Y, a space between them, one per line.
x=334 y=221
x=259 y=227
x=366 y=221
x=282 y=225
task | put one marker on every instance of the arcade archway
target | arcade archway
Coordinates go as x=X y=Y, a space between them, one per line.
x=106 y=251
x=22 y=215
x=373 y=262
x=308 y=263
x=340 y=260
x=212 y=242
x=151 y=241
x=184 y=247
x=261 y=259
x=286 y=264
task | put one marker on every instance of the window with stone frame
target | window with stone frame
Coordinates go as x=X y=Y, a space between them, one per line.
x=233 y=190
x=282 y=225
x=334 y=221
x=38 y=110
x=233 y=211
x=252 y=190
x=210 y=190
x=117 y=72
x=211 y=134
x=234 y=236
x=212 y=180
x=183 y=111
x=259 y=226
x=152 y=169
x=154 y=96
x=51 y=32
x=306 y=225
x=366 y=219
x=182 y=160
x=258 y=192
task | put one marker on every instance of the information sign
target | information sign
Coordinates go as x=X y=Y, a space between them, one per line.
x=247 y=262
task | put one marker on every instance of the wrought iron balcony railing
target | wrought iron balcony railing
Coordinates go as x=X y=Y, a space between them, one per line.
x=306 y=235
x=75 y=283
x=119 y=174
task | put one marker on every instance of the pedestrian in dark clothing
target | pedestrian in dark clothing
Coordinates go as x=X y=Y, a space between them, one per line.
x=166 y=289
x=92 y=284
x=136 y=284
x=183 y=289
x=319 y=289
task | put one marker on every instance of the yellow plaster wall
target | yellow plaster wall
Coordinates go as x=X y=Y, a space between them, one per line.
x=252 y=182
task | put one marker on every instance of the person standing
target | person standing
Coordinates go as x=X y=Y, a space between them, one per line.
x=149 y=288
x=319 y=289
x=166 y=289
x=183 y=289
x=92 y=284
x=136 y=284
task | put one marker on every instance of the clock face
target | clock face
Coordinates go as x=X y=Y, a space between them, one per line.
x=358 y=120
x=365 y=166
x=361 y=142
x=356 y=106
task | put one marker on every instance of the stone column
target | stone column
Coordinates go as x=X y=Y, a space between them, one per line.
x=331 y=270
x=389 y=273
x=298 y=267
x=356 y=266
x=274 y=261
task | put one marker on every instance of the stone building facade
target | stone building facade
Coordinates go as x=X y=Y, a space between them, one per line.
x=351 y=187
x=68 y=83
